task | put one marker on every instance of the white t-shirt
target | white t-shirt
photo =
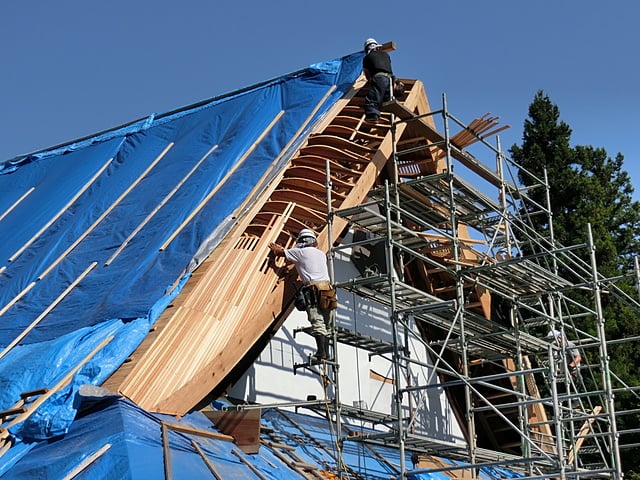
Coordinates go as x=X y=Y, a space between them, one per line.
x=310 y=262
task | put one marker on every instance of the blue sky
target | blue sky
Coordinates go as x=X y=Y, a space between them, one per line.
x=72 y=68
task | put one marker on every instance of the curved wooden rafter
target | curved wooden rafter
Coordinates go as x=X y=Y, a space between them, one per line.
x=337 y=169
x=337 y=194
x=302 y=171
x=237 y=293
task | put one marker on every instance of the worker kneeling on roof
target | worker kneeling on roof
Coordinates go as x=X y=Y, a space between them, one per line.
x=319 y=296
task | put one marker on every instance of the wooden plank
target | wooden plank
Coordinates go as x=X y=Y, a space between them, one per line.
x=243 y=426
x=10 y=412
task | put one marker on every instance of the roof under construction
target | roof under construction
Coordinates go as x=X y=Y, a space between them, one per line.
x=136 y=287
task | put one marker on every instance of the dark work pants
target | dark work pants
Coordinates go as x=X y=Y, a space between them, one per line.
x=379 y=91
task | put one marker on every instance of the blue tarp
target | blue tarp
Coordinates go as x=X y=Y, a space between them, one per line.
x=135 y=449
x=87 y=250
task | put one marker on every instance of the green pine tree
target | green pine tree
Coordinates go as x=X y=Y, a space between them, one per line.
x=587 y=187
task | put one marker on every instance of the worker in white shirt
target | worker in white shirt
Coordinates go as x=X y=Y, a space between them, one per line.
x=319 y=296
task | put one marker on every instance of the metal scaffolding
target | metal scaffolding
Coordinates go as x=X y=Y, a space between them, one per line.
x=448 y=248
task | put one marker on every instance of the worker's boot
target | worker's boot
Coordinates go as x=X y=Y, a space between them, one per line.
x=321 y=354
x=326 y=347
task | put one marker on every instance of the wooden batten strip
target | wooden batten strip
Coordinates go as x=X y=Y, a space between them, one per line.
x=222 y=182
x=16 y=203
x=166 y=451
x=206 y=461
x=197 y=431
x=107 y=211
x=86 y=462
x=59 y=214
x=46 y=311
x=159 y=206
x=15 y=299
x=582 y=434
x=58 y=386
x=249 y=464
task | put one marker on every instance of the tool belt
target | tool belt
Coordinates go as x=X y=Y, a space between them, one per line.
x=321 y=295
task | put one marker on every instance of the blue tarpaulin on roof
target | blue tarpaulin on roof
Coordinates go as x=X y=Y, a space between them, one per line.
x=97 y=236
x=124 y=441
x=127 y=442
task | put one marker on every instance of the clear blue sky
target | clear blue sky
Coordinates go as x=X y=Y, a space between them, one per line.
x=72 y=68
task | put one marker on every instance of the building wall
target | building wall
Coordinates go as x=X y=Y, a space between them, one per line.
x=365 y=380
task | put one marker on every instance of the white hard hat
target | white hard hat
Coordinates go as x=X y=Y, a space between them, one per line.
x=554 y=333
x=369 y=44
x=306 y=233
x=306 y=238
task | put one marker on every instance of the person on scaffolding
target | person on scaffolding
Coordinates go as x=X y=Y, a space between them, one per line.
x=567 y=364
x=318 y=297
x=376 y=66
